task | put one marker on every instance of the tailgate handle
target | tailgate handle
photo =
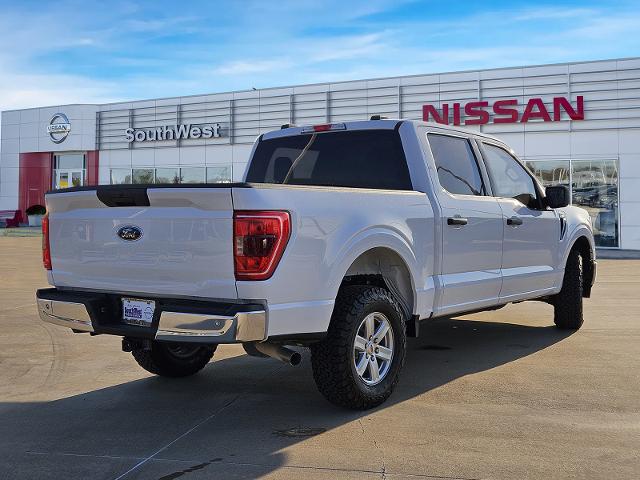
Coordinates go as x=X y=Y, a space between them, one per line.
x=123 y=196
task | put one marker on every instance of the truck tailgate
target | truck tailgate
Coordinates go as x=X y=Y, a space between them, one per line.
x=184 y=247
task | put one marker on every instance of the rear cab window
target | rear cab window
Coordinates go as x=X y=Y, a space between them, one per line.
x=351 y=158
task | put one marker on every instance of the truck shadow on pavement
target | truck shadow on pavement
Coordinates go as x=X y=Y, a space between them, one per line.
x=236 y=418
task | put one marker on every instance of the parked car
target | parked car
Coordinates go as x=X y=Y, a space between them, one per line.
x=342 y=238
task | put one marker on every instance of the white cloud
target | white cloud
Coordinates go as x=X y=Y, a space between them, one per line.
x=612 y=27
x=24 y=91
x=282 y=43
x=549 y=13
x=18 y=91
x=244 y=67
x=341 y=48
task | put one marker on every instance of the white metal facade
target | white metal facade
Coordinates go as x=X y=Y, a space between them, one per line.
x=609 y=132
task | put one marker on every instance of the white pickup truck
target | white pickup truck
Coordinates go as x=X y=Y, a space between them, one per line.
x=342 y=238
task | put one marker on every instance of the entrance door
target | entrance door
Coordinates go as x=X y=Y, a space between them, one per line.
x=68 y=178
x=69 y=170
x=62 y=180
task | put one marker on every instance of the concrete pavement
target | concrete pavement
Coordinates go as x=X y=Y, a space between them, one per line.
x=494 y=395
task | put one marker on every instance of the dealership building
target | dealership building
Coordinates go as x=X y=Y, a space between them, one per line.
x=576 y=124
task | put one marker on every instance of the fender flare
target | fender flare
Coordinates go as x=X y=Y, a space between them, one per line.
x=580 y=231
x=589 y=269
x=375 y=237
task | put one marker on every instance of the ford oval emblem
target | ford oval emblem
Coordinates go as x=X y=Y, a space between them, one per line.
x=130 y=233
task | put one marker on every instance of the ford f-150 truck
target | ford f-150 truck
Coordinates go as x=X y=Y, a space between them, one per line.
x=341 y=238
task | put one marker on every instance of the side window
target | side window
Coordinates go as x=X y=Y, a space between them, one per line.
x=456 y=163
x=508 y=178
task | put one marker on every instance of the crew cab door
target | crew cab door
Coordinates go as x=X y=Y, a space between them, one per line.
x=531 y=232
x=471 y=253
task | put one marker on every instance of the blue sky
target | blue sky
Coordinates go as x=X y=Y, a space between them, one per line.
x=56 y=52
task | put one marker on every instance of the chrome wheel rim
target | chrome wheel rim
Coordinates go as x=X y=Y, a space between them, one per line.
x=373 y=348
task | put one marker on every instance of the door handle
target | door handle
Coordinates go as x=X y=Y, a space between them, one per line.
x=459 y=221
x=514 y=221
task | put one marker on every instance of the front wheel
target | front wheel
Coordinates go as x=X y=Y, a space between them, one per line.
x=358 y=364
x=169 y=359
x=567 y=304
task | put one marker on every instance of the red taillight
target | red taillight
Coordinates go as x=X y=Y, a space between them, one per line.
x=259 y=239
x=46 y=251
x=321 y=128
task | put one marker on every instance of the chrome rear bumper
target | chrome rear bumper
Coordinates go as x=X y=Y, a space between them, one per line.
x=184 y=327
x=66 y=314
x=249 y=326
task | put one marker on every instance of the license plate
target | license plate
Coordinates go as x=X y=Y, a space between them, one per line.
x=138 y=312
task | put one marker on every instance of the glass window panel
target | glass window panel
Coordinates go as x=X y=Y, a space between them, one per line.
x=167 y=175
x=595 y=188
x=354 y=158
x=120 y=176
x=63 y=180
x=193 y=175
x=220 y=174
x=76 y=179
x=555 y=172
x=508 y=178
x=456 y=164
x=143 y=175
x=73 y=161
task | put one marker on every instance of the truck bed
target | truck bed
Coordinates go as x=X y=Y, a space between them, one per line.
x=186 y=246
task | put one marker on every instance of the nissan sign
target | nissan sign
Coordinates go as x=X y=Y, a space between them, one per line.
x=59 y=128
x=173 y=132
x=504 y=111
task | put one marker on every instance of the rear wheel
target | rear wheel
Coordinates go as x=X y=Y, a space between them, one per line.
x=567 y=304
x=169 y=359
x=358 y=364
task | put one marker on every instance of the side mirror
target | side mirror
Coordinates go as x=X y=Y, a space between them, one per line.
x=557 y=196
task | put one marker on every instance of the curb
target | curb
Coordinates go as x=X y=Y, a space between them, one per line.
x=21 y=232
x=611 y=254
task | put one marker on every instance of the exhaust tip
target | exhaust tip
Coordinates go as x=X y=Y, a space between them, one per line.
x=279 y=353
x=295 y=359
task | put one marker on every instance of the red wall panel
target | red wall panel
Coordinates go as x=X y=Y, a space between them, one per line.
x=92 y=167
x=35 y=179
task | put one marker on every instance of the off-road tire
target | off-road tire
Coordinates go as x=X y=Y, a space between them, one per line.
x=332 y=359
x=161 y=359
x=567 y=304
